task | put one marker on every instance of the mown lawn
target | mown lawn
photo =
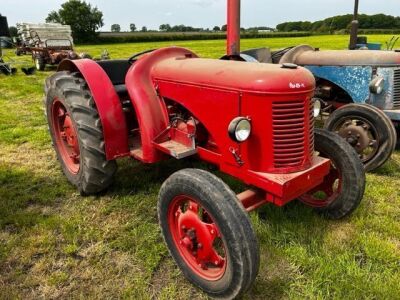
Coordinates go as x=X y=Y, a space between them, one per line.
x=56 y=244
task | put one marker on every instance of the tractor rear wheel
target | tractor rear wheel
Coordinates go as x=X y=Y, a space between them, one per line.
x=208 y=233
x=368 y=130
x=343 y=188
x=76 y=132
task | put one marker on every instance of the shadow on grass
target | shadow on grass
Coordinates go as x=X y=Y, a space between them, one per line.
x=24 y=194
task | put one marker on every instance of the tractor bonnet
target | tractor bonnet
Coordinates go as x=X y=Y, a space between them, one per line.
x=305 y=56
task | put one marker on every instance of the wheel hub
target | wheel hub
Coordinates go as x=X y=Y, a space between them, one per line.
x=66 y=137
x=360 y=136
x=195 y=236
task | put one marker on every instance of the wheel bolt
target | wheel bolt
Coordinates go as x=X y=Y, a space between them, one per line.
x=199 y=245
x=212 y=231
x=216 y=262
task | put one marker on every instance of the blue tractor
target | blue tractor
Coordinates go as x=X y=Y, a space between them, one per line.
x=358 y=91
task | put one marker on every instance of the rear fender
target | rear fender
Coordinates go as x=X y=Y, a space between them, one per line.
x=151 y=113
x=109 y=107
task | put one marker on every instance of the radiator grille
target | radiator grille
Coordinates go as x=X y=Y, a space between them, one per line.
x=289 y=139
x=396 y=89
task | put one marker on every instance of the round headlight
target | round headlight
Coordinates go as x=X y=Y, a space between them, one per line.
x=239 y=129
x=317 y=108
x=377 y=85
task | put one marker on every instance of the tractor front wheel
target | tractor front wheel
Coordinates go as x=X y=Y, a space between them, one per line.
x=368 y=130
x=208 y=233
x=76 y=132
x=343 y=188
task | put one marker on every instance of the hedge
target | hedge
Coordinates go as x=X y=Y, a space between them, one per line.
x=117 y=38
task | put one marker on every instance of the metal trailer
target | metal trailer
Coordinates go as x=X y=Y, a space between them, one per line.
x=254 y=122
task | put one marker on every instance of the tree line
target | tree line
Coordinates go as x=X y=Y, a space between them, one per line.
x=342 y=22
x=85 y=21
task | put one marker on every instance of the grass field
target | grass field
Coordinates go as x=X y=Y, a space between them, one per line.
x=56 y=244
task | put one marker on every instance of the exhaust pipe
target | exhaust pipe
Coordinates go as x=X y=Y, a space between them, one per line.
x=354 y=27
x=233 y=28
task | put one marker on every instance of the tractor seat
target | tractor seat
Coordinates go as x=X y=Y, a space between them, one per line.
x=262 y=55
x=116 y=71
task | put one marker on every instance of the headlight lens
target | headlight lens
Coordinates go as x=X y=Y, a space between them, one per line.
x=317 y=108
x=377 y=85
x=239 y=129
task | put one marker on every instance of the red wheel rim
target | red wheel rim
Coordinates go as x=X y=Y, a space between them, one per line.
x=197 y=238
x=325 y=193
x=66 y=137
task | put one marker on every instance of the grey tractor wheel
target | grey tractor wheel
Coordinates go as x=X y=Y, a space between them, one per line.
x=368 y=130
x=208 y=233
x=77 y=135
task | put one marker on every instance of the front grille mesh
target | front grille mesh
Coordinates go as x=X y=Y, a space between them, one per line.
x=289 y=138
x=396 y=89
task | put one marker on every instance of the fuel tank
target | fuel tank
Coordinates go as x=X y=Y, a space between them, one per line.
x=235 y=76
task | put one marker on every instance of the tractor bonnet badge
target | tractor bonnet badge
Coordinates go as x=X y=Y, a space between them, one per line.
x=296 y=85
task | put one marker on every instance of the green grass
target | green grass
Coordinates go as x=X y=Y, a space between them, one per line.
x=56 y=244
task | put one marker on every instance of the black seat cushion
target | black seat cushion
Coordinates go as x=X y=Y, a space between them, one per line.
x=116 y=70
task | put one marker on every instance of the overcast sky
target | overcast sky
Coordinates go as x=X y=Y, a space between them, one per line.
x=198 y=13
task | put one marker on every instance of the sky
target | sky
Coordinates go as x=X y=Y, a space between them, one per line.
x=198 y=13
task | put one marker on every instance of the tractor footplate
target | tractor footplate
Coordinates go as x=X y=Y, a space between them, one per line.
x=176 y=149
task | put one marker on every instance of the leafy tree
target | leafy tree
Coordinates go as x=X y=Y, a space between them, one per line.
x=144 y=29
x=342 y=23
x=115 y=28
x=84 y=19
x=224 y=27
x=165 y=27
x=132 y=27
x=216 y=28
x=13 y=31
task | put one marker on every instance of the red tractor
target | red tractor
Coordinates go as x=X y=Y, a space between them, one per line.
x=253 y=121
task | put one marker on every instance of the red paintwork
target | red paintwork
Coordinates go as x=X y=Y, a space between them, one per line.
x=65 y=136
x=216 y=92
x=108 y=105
x=233 y=28
x=194 y=234
x=151 y=113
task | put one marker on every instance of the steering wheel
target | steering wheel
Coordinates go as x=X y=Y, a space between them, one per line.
x=132 y=58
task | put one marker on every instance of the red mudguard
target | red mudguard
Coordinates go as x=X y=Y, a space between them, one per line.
x=108 y=105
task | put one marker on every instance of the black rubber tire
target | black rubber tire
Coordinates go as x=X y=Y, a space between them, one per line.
x=95 y=173
x=40 y=64
x=389 y=123
x=233 y=222
x=383 y=126
x=345 y=159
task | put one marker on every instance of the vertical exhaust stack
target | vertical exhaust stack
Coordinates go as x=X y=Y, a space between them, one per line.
x=233 y=30
x=354 y=27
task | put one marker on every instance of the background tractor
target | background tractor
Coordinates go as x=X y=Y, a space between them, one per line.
x=359 y=90
x=48 y=44
x=254 y=122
